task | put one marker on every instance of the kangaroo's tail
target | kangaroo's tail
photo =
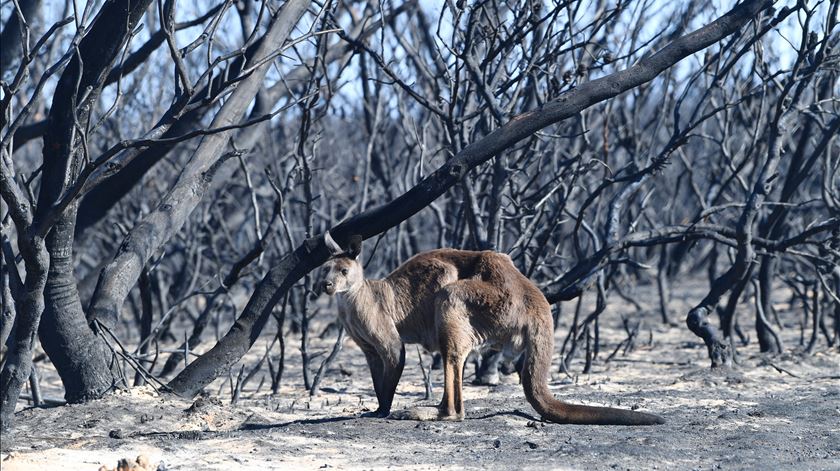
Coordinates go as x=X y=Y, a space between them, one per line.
x=535 y=373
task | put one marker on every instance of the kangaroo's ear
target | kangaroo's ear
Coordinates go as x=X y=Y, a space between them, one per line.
x=332 y=245
x=355 y=246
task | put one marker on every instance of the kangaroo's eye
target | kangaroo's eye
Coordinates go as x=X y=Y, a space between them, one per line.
x=344 y=271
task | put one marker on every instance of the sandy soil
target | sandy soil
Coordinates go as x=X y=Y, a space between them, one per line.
x=770 y=413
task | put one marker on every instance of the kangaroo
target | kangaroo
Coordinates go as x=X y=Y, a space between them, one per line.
x=453 y=301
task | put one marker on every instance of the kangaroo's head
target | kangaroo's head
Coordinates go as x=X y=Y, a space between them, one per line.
x=344 y=272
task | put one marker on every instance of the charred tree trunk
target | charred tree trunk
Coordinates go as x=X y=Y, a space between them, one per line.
x=662 y=284
x=81 y=357
x=146 y=315
x=29 y=307
x=768 y=341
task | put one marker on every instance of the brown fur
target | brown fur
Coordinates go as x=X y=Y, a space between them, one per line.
x=454 y=301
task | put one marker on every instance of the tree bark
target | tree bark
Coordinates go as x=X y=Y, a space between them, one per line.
x=83 y=360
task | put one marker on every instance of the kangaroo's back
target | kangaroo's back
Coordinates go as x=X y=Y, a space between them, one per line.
x=415 y=283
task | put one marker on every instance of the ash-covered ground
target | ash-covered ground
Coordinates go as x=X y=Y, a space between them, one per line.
x=778 y=412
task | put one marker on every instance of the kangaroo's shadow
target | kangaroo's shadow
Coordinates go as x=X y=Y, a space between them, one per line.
x=515 y=413
x=252 y=427
x=325 y=420
x=328 y=420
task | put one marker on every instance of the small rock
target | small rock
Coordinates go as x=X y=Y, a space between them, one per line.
x=118 y=434
x=203 y=403
x=497 y=443
x=141 y=463
x=90 y=423
x=532 y=445
x=733 y=414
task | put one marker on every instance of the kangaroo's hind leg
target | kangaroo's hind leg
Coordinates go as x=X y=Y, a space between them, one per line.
x=456 y=341
x=487 y=372
x=456 y=338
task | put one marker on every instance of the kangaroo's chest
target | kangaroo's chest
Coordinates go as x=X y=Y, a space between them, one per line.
x=360 y=327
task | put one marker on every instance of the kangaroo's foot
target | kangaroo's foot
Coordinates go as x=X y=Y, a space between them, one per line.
x=376 y=414
x=489 y=379
x=509 y=367
x=427 y=413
